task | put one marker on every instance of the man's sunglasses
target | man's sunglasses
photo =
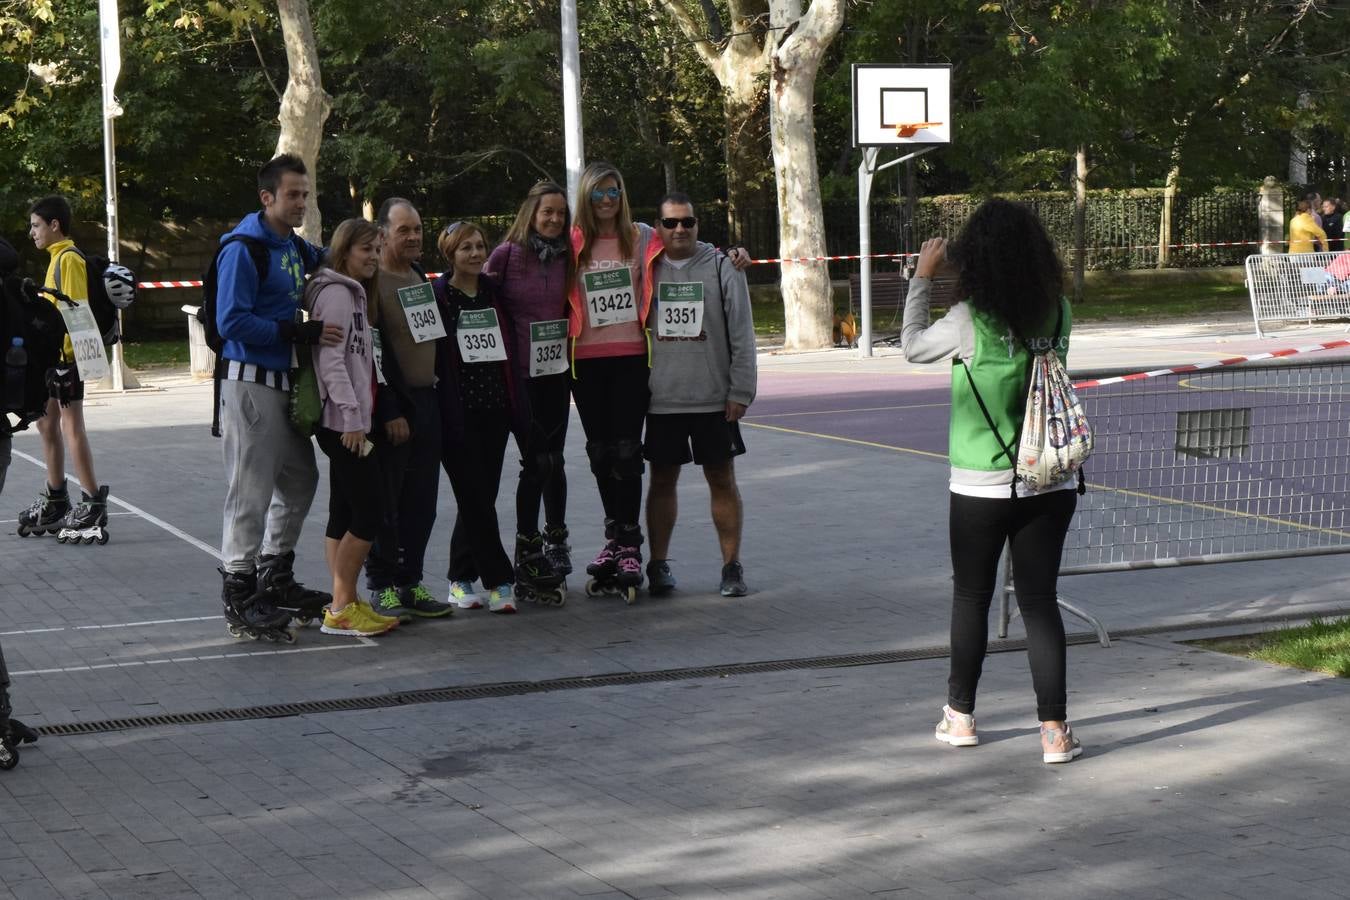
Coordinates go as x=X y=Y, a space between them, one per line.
x=687 y=222
x=612 y=193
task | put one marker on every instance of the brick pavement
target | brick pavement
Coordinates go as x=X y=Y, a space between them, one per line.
x=778 y=785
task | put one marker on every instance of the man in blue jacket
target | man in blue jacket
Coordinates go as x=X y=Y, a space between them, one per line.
x=269 y=467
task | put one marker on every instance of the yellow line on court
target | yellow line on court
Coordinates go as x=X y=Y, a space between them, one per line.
x=845 y=440
x=1209 y=507
x=826 y=412
x=1126 y=491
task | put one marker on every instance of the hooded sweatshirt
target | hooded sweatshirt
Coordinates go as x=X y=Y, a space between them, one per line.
x=247 y=312
x=700 y=374
x=345 y=371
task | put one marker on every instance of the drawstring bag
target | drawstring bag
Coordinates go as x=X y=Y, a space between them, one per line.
x=305 y=405
x=1055 y=438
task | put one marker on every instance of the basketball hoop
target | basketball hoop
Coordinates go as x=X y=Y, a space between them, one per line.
x=909 y=129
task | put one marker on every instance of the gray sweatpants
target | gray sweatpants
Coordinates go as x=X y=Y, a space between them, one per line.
x=270 y=473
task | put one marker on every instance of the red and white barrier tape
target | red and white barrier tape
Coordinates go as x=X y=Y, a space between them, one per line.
x=1196 y=367
x=151 y=285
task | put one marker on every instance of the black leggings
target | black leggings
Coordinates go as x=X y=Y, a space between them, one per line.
x=1035 y=528
x=612 y=397
x=540 y=436
x=355 y=493
x=473 y=460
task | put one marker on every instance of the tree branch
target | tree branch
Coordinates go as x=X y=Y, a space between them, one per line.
x=262 y=63
x=687 y=24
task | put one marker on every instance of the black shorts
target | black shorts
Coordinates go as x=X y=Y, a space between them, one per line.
x=670 y=437
x=64 y=384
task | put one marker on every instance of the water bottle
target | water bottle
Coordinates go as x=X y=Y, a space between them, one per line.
x=16 y=362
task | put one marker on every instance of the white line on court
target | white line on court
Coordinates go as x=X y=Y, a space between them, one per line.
x=115 y=625
x=136 y=510
x=361 y=642
x=16 y=521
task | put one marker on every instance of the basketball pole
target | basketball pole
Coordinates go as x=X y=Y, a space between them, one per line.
x=574 y=149
x=867 y=170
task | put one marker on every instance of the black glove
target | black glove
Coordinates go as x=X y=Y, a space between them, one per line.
x=308 y=333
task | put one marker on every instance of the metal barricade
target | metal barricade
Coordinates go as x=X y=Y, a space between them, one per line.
x=1286 y=286
x=1229 y=464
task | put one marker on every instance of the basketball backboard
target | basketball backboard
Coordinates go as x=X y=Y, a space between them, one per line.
x=900 y=105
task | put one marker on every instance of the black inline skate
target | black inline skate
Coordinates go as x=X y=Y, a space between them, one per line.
x=558 y=551
x=617 y=569
x=276 y=576
x=87 y=521
x=248 y=613
x=47 y=512
x=12 y=731
x=536 y=580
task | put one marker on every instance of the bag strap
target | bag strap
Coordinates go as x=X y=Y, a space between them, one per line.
x=1007 y=448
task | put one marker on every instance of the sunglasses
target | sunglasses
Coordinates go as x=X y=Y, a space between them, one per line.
x=687 y=222
x=450 y=229
x=612 y=193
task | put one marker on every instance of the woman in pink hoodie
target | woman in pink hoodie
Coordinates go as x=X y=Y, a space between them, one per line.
x=346 y=375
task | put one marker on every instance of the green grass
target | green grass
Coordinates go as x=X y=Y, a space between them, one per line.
x=154 y=352
x=1317 y=647
x=1136 y=301
x=1111 y=303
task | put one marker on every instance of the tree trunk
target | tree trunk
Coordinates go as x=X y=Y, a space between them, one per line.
x=738 y=66
x=808 y=301
x=1079 y=220
x=1298 y=147
x=1165 y=222
x=304 y=105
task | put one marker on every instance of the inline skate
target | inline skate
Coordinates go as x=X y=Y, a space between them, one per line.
x=47 y=512
x=87 y=521
x=617 y=568
x=12 y=731
x=276 y=577
x=558 y=551
x=536 y=579
x=249 y=613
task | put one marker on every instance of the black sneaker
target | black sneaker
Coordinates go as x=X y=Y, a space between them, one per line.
x=660 y=580
x=733 y=580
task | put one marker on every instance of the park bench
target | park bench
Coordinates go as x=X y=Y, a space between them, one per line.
x=888 y=300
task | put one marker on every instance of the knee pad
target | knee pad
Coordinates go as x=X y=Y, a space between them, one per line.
x=628 y=459
x=546 y=465
x=599 y=454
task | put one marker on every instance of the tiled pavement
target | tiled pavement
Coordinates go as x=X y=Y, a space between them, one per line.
x=1204 y=776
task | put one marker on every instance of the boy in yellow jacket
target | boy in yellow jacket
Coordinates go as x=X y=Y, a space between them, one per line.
x=63 y=425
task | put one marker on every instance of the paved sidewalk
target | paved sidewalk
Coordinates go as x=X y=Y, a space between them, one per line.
x=1204 y=776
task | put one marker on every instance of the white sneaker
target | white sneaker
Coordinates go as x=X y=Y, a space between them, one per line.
x=463 y=595
x=502 y=599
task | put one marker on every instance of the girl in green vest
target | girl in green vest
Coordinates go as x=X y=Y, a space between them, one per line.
x=1005 y=267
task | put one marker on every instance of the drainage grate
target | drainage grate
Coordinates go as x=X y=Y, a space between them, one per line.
x=616 y=679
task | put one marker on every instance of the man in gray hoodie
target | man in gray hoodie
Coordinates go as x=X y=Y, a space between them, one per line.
x=702 y=380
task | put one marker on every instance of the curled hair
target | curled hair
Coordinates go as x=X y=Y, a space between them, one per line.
x=350 y=233
x=452 y=236
x=593 y=174
x=1007 y=266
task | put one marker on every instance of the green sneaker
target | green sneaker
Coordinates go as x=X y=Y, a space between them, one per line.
x=388 y=602
x=418 y=600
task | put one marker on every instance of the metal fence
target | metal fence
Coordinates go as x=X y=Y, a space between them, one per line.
x=1232 y=464
x=1306 y=286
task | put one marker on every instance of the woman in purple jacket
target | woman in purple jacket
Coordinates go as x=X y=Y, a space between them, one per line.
x=532 y=268
x=346 y=374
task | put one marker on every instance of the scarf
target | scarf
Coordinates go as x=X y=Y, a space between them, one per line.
x=548 y=250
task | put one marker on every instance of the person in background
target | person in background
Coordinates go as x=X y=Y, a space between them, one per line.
x=1011 y=281
x=1333 y=223
x=1304 y=231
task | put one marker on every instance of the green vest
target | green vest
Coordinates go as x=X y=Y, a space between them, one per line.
x=999 y=367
